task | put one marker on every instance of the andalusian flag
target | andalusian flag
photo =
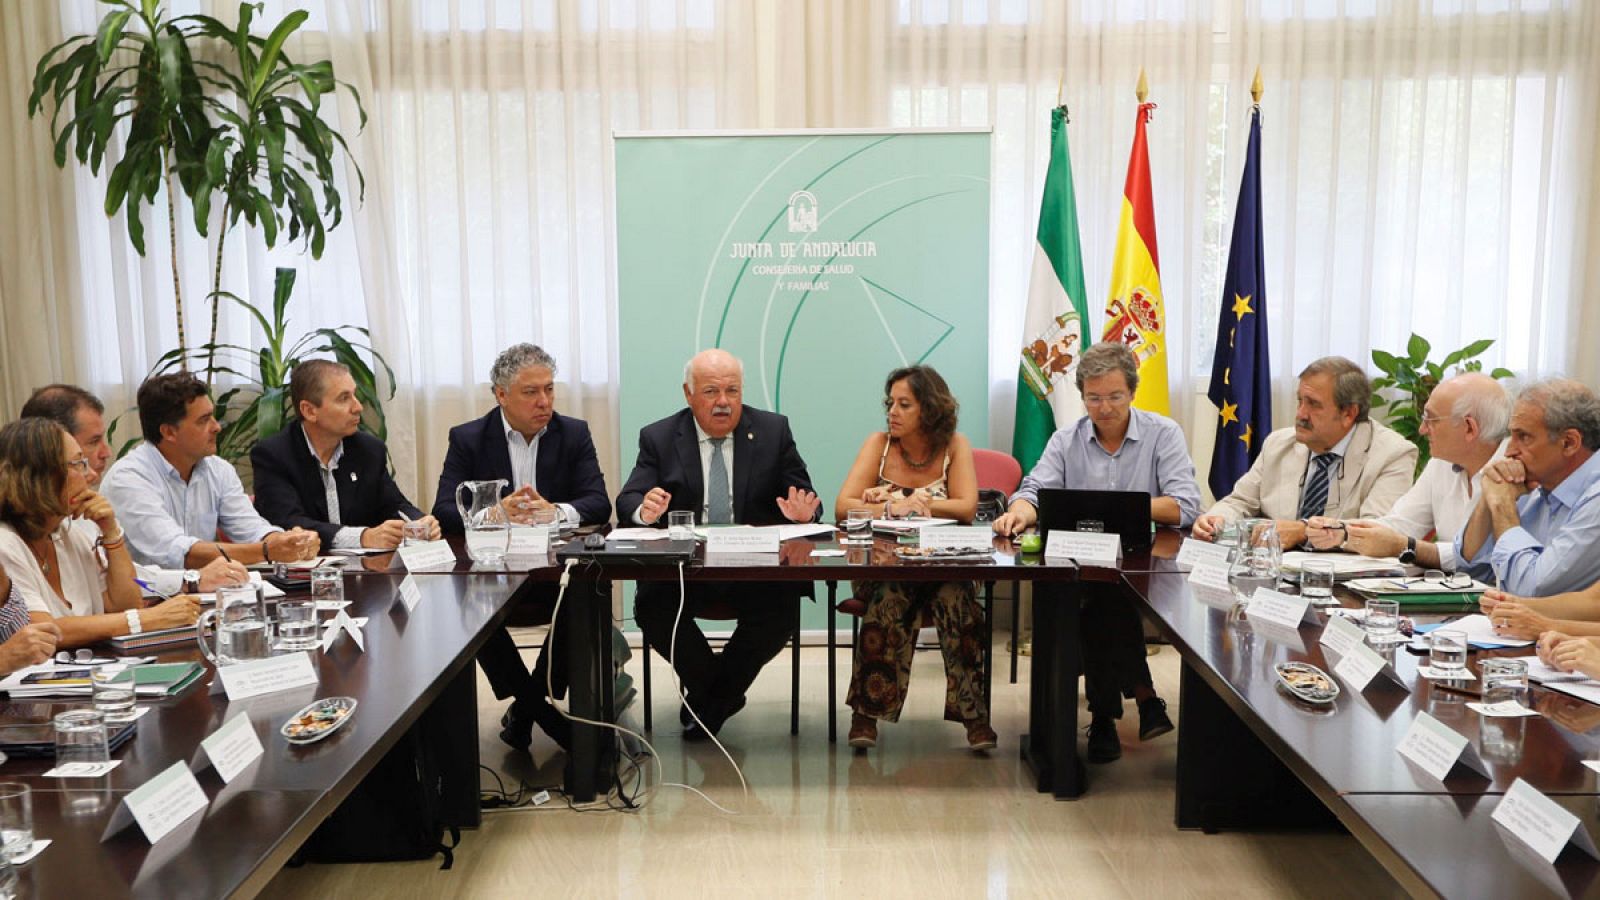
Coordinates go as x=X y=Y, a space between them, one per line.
x=1134 y=313
x=1241 y=375
x=1053 y=333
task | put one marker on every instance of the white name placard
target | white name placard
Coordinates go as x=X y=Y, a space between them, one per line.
x=1278 y=634
x=1196 y=553
x=265 y=676
x=529 y=540
x=742 y=540
x=165 y=801
x=1541 y=823
x=410 y=594
x=958 y=537
x=1281 y=609
x=1436 y=748
x=343 y=624
x=1362 y=664
x=1341 y=634
x=429 y=555
x=1206 y=575
x=233 y=747
x=1087 y=548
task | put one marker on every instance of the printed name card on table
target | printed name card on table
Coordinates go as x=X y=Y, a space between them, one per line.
x=410 y=594
x=1436 y=748
x=343 y=624
x=958 y=537
x=165 y=801
x=1281 y=609
x=233 y=747
x=266 y=676
x=1286 y=635
x=742 y=540
x=529 y=540
x=1363 y=664
x=1195 y=553
x=1541 y=823
x=430 y=555
x=1210 y=586
x=1087 y=548
x=1341 y=634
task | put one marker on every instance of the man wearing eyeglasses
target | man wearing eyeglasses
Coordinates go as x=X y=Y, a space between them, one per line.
x=1113 y=447
x=1465 y=422
x=1334 y=462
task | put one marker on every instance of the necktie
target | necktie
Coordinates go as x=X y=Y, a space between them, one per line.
x=1315 y=497
x=719 y=499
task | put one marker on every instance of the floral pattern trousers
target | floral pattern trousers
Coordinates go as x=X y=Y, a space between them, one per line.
x=888 y=638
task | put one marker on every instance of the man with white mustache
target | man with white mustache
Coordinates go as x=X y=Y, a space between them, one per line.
x=728 y=464
x=1334 y=462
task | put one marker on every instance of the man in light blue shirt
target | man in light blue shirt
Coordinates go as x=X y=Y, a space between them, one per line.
x=172 y=493
x=1114 y=447
x=1538 y=523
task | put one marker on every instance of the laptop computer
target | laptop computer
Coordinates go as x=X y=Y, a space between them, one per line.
x=1124 y=513
x=627 y=552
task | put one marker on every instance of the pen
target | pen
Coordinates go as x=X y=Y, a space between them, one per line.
x=224 y=553
x=403 y=515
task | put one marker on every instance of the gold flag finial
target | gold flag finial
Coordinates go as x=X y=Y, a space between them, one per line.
x=1143 y=90
x=1255 y=87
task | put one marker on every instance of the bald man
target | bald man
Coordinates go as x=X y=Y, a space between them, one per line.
x=1465 y=421
x=728 y=463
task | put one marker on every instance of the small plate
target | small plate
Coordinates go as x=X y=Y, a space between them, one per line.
x=1307 y=682
x=318 y=720
x=943 y=554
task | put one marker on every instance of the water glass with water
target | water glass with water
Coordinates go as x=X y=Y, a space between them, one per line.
x=1316 y=580
x=111 y=687
x=1505 y=679
x=1382 y=623
x=81 y=737
x=414 y=531
x=1447 y=650
x=858 y=526
x=16 y=819
x=297 y=623
x=327 y=585
x=680 y=525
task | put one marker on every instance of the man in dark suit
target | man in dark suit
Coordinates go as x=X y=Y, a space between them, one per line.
x=727 y=463
x=321 y=474
x=547 y=460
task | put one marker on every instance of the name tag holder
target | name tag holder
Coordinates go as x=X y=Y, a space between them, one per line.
x=1086 y=548
x=1363 y=666
x=1437 y=749
x=1541 y=824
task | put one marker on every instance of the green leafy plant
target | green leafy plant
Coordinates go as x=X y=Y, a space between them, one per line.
x=1411 y=378
x=259 y=407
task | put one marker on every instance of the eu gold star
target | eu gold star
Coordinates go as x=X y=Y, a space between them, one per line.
x=1249 y=432
x=1230 y=412
x=1241 y=305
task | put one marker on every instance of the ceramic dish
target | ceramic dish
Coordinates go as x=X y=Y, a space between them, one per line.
x=942 y=554
x=318 y=720
x=1307 y=682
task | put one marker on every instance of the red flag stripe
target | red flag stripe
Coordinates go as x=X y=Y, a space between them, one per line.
x=1137 y=190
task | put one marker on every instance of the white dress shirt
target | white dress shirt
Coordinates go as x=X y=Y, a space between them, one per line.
x=83 y=577
x=525 y=467
x=348 y=537
x=705 y=475
x=164 y=516
x=1440 y=502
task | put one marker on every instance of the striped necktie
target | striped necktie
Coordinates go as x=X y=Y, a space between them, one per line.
x=719 y=499
x=1315 y=497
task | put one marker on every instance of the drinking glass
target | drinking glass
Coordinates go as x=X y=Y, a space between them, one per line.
x=1316 y=580
x=680 y=525
x=297 y=623
x=16 y=819
x=414 y=531
x=81 y=737
x=1505 y=679
x=1382 y=623
x=1447 y=650
x=111 y=687
x=858 y=526
x=327 y=585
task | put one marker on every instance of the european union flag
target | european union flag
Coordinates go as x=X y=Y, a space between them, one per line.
x=1241 y=376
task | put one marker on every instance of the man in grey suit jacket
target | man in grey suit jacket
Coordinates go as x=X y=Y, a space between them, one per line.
x=1334 y=462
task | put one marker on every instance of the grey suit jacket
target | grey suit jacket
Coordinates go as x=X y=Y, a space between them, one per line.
x=1377 y=470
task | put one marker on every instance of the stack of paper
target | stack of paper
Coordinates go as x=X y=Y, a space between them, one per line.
x=1345 y=565
x=63 y=680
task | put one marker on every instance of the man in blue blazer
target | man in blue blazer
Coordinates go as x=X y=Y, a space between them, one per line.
x=729 y=464
x=321 y=474
x=547 y=460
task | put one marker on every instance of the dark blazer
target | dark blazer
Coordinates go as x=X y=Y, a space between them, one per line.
x=288 y=483
x=566 y=471
x=766 y=464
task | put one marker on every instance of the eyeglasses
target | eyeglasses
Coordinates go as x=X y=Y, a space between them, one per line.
x=1455 y=582
x=81 y=464
x=1117 y=399
x=1430 y=420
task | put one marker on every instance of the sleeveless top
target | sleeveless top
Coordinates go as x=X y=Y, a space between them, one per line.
x=936 y=489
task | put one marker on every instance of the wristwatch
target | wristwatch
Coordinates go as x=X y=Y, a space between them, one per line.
x=191 y=581
x=1408 y=556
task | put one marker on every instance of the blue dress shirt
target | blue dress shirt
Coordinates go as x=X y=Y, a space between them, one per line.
x=1553 y=550
x=1153 y=458
x=163 y=516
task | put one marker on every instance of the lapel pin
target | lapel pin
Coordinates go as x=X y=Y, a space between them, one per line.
x=352 y=476
x=749 y=435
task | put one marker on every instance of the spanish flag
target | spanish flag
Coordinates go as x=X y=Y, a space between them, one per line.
x=1134 y=312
